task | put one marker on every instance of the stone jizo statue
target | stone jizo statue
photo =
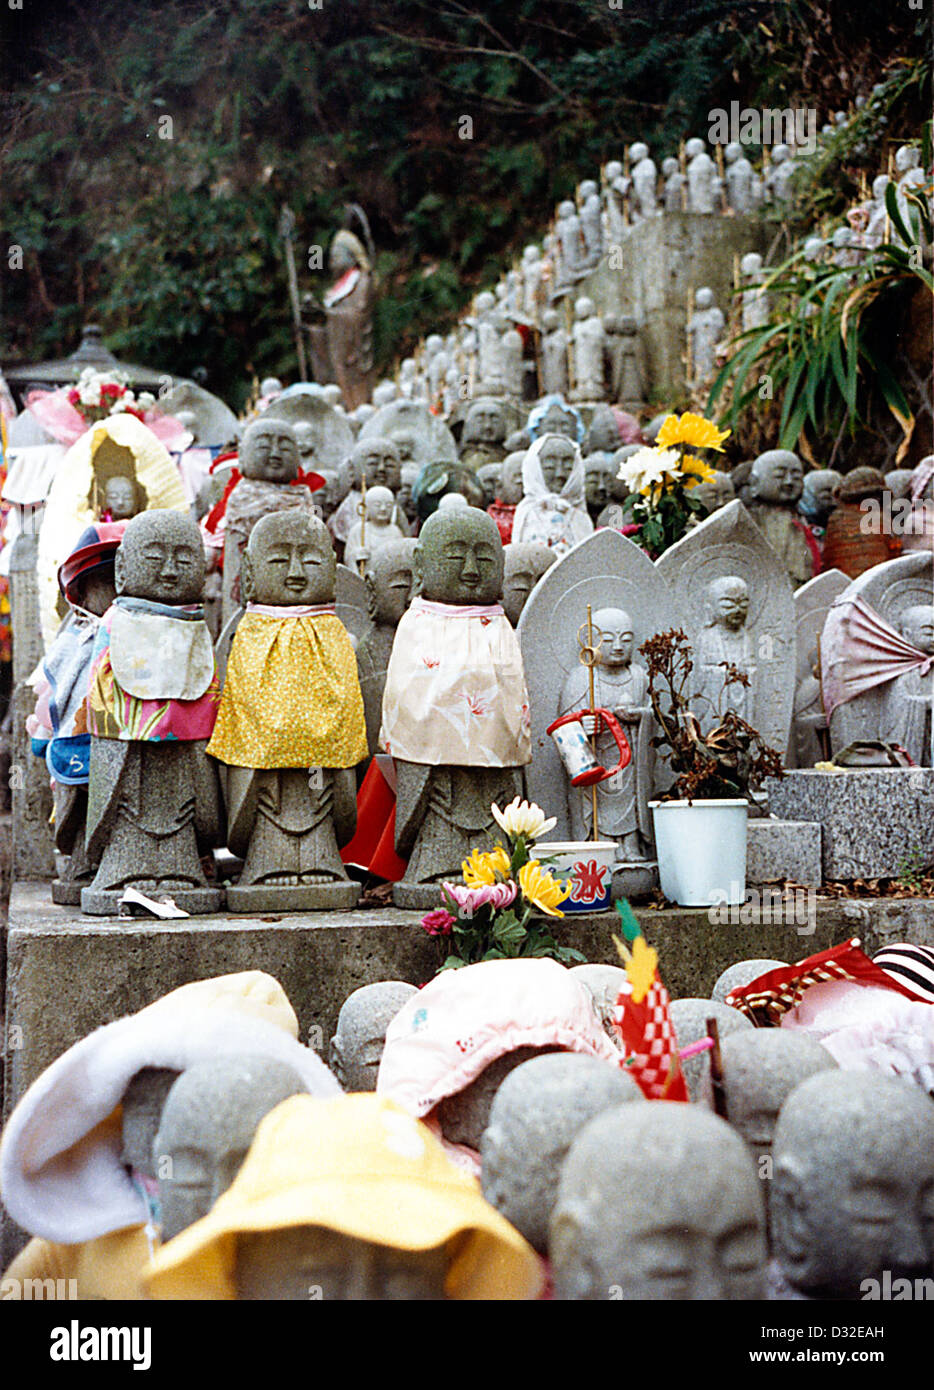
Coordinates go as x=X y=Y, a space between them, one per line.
x=536 y=1114
x=589 y=352
x=704 y=329
x=290 y=728
x=739 y=176
x=755 y=299
x=906 y=702
x=388 y=579
x=366 y=538
x=206 y=1128
x=554 y=354
x=661 y=1201
x=853 y=1174
x=776 y=483
x=524 y=567
x=817 y=495
x=357 y=1044
x=724 y=639
x=141 y=1109
x=644 y=180
x=455 y=708
x=153 y=799
x=702 y=178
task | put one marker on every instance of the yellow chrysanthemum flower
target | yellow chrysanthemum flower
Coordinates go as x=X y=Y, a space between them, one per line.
x=541 y=890
x=691 y=429
x=482 y=869
x=697 y=471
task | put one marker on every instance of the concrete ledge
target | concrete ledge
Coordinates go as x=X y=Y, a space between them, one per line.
x=780 y=849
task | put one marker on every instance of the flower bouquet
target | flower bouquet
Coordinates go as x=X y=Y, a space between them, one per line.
x=98 y=395
x=660 y=479
x=488 y=916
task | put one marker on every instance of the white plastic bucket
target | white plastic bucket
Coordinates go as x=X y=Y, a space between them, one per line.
x=701 y=850
x=588 y=864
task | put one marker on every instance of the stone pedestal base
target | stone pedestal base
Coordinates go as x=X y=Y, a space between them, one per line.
x=298 y=897
x=198 y=902
x=780 y=849
x=635 y=881
x=418 y=897
x=65 y=893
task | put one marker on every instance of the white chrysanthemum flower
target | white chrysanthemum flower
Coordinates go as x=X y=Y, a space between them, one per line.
x=649 y=466
x=523 y=818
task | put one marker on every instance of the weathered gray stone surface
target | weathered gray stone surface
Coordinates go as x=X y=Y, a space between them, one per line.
x=812 y=604
x=419 y=436
x=689 y=1019
x=778 y=849
x=216 y=422
x=33 y=855
x=874 y=819
x=330 y=438
x=729 y=544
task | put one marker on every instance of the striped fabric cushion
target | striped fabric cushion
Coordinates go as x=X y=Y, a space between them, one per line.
x=910 y=965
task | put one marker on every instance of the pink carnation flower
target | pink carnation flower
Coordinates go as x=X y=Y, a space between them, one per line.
x=438 y=923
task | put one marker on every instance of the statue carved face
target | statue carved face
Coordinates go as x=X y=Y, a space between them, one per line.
x=378 y=463
x=406 y=445
x=615 y=627
x=269 y=451
x=121 y=498
x=464 y=1116
x=302 y=1262
x=691 y=1227
x=917 y=627
x=728 y=602
x=557 y=460
x=853 y=1188
x=357 y=1045
x=379 y=505
x=289 y=561
x=459 y=557
x=161 y=557
x=558 y=421
x=305 y=440
x=717 y=493
x=777 y=477
x=207 y=1126
x=485 y=423
x=510 y=487
x=525 y=565
x=142 y=1105
x=598 y=475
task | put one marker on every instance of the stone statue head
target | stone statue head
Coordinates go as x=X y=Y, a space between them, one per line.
x=879 y=184
x=584 y=308
x=566 y=208
x=813 y=248
x=377 y=462
x=270 y=386
x=556 y=458
x=123 y=497
x=284 y=1264
x=704 y=298
x=536 y=1114
x=141 y=1108
x=907 y=157
x=695 y=147
x=760 y=1070
x=780 y=153
x=490 y=475
x=464 y=1115
x=558 y=420
x=612 y=170
x=727 y=602
x=817 y=494
x=207 y=1126
x=531 y=254
x=388 y=581
x=598 y=479
x=733 y=152
x=852 y=1190
x=485 y=422
x=358 y=1042
x=740 y=973
x=604 y=983
x=899 y=480
x=658 y=1200
x=380 y=505
x=777 y=477
x=161 y=557
x=842 y=237
x=614 y=625
x=525 y=563
x=404 y=495
x=305 y=440
x=670 y=167
x=510 y=486
x=603 y=435
x=638 y=151
x=917 y=627
x=586 y=188
x=289 y=561
x=715 y=493
x=689 y=1019
x=459 y=558
x=860 y=484
x=551 y=320
x=269 y=451
x=751 y=263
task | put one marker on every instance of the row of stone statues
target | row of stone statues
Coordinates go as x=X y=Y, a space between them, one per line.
x=227 y=1162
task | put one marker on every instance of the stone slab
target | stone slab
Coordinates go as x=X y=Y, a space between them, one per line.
x=780 y=849
x=876 y=821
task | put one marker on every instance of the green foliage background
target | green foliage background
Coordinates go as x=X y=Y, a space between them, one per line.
x=172 y=243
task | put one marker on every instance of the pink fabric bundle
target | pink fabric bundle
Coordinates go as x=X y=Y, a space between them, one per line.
x=860 y=650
